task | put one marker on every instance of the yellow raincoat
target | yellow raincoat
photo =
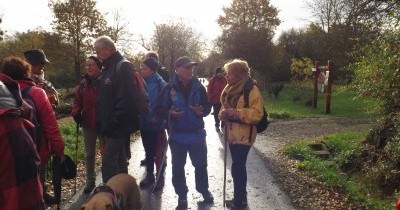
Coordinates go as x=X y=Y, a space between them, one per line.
x=244 y=132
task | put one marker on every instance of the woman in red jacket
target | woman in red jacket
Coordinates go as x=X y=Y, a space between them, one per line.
x=84 y=113
x=214 y=89
x=18 y=155
x=49 y=139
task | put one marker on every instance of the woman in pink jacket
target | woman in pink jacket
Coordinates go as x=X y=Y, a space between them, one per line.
x=48 y=136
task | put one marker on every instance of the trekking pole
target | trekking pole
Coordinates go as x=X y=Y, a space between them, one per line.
x=76 y=152
x=225 y=156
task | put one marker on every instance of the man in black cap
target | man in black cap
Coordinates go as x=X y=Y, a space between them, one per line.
x=38 y=60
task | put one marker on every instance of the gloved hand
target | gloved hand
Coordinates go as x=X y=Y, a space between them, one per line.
x=78 y=118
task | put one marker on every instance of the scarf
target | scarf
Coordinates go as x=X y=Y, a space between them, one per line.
x=232 y=93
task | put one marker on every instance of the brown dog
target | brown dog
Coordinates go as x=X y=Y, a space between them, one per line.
x=120 y=192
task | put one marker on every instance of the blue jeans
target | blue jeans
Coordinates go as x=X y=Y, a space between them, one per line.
x=239 y=154
x=198 y=156
x=115 y=157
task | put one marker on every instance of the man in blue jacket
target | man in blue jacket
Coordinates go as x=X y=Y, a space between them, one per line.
x=116 y=116
x=184 y=102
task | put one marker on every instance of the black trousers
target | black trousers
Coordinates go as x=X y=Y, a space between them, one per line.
x=149 y=140
x=216 y=108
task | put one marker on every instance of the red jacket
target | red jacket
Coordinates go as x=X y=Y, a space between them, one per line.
x=85 y=102
x=20 y=187
x=214 y=89
x=52 y=142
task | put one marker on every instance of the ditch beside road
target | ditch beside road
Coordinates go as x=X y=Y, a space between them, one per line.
x=305 y=192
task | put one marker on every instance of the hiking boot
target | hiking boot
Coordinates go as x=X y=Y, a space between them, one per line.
x=49 y=200
x=147 y=181
x=182 y=203
x=231 y=204
x=89 y=187
x=208 y=198
x=143 y=162
x=244 y=201
x=160 y=184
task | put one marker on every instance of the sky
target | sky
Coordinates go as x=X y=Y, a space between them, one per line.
x=142 y=15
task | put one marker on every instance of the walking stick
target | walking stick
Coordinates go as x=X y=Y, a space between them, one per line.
x=225 y=156
x=76 y=152
x=161 y=169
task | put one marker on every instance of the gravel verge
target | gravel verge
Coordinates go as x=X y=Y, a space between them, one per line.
x=305 y=191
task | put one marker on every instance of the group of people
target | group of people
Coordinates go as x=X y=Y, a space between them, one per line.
x=105 y=106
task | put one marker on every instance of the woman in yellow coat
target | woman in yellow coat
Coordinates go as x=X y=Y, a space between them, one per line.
x=240 y=120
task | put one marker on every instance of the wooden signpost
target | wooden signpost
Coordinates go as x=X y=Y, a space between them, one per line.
x=327 y=72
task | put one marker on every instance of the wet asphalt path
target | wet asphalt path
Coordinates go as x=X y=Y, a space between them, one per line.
x=263 y=192
x=262 y=189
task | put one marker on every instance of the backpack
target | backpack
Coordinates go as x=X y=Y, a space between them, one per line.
x=264 y=122
x=142 y=105
x=51 y=92
x=27 y=97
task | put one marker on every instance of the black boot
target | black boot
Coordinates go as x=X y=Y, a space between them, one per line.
x=182 y=203
x=147 y=181
x=143 y=162
x=89 y=187
x=49 y=200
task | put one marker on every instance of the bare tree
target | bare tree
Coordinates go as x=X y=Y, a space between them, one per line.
x=1 y=32
x=118 y=31
x=357 y=15
x=173 y=40
x=327 y=12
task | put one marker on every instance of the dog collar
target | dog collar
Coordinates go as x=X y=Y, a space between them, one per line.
x=117 y=198
x=103 y=188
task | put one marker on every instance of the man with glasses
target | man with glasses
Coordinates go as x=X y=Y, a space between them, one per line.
x=184 y=103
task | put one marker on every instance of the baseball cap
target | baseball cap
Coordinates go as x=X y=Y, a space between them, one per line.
x=184 y=61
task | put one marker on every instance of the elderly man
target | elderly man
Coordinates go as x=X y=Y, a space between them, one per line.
x=116 y=116
x=184 y=102
x=38 y=60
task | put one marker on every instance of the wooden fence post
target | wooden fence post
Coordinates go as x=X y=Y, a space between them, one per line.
x=328 y=93
x=315 y=73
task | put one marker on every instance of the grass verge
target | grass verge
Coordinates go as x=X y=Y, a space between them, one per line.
x=292 y=100
x=69 y=134
x=342 y=146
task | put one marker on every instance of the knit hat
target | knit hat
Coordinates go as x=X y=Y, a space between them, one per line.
x=219 y=70
x=151 y=63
